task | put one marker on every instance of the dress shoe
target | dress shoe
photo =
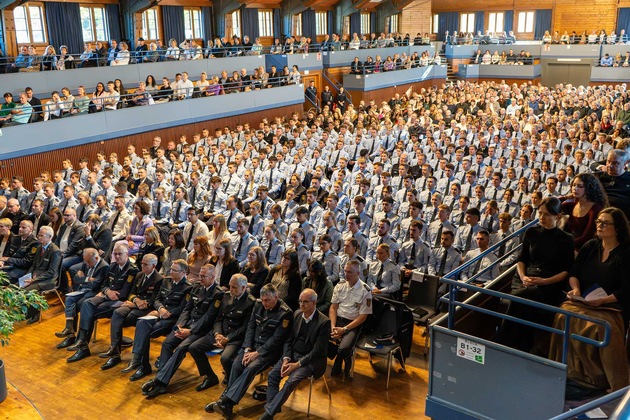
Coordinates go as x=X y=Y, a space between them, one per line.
x=223 y=408
x=336 y=369
x=77 y=345
x=266 y=416
x=159 y=389
x=132 y=366
x=148 y=386
x=111 y=352
x=111 y=362
x=32 y=320
x=141 y=373
x=66 y=332
x=67 y=342
x=81 y=354
x=209 y=382
x=210 y=407
x=224 y=381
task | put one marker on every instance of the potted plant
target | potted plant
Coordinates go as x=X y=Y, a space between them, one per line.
x=14 y=302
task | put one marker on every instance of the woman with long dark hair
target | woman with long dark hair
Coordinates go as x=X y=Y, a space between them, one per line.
x=318 y=281
x=256 y=270
x=286 y=279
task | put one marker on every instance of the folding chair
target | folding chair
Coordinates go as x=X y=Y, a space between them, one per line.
x=422 y=299
x=310 y=392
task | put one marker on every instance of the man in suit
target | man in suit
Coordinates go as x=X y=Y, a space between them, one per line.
x=45 y=268
x=195 y=321
x=69 y=241
x=140 y=302
x=311 y=92
x=38 y=217
x=228 y=332
x=304 y=354
x=269 y=327
x=97 y=235
x=87 y=278
x=21 y=252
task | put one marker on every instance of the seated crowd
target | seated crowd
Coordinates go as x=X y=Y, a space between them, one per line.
x=319 y=215
x=522 y=58
x=113 y=95
x=397 y=62
x=594 y=37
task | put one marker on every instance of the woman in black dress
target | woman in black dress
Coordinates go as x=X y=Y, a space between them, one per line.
x=256 y=270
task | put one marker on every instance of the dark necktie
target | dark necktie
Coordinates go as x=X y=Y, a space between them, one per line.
x=270 y=181
x=379 y=276
x=190 y=235
x=413 y=255
x=115 y=220
x=159 y=210
x=238 y=248
x=284 y=211
x=64 y=207
x=356 y=149
x=82 y=214
x=193 y=196
x=477 y=266
x=468 y=239
x=435 y=210
x=502 y=246
x=496 y=191
x=438 y=237
x=179 y=207
x=251 y=226
x=443 y=262
x=229 y=220
x=268 y=252
x=227 y=187
x=214 y=196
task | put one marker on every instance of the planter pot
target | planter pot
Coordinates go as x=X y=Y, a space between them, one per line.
x=3 y=382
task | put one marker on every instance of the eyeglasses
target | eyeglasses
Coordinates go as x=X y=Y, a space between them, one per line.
x=176 y=271
x=603 y=223
x=118 y=253
x=304 y=302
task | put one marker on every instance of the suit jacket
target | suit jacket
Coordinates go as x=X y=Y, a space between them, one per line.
x=44 y=220
x=317 y=341
x=74 y=239
x=100 y=239
x=228 y=271
x=46 y=264
x=101 y=270
x=202 y=309
x=7 y=248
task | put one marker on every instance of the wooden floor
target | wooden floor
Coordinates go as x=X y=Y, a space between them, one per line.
x=43 y=384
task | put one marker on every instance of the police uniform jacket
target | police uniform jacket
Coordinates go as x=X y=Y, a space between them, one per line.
x=362 y=263
x=352 y=300
x=148 y=289
x=316 y=340
x=332 y=264
x=389 y=281
x=233 y=317
x=203 y=301
x=172 y=296
x=46 y=264
x=22 y=252
x=98 y=274
x=120 y=279
x=361 y=238
x=267 y=330
x=419 y=260
x=453 y=260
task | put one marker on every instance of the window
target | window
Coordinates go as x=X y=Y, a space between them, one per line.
x=93 y=23
x=321 y=23
x=192 y=23
x=265 y=22
x=150 y=25
x=394 y=23
x=525 y=22
x=29 y=24
x=296 y=24
x=495 y=22
x=365 y=23
x=236 y=23
x=435 y=23
x=467 y=22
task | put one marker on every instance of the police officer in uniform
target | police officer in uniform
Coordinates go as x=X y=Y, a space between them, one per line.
x=116 y=287
x=414 y=253
x=21 y=252
x=354 y=231
x=169 y=304
x=350 y=306
x=228 y=332
x=268 y=329
x=330 y=260
x=445 y=258
x=351 y=253
x=140 y=302
x=384 y=277
x=195 y=322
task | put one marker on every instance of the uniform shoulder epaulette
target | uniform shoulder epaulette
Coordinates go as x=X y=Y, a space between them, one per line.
x=251 y=297
x=285 y=307
x=366 y=287
x=457 y=250
x=360 y=258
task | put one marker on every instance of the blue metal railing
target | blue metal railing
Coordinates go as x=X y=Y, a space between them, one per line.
x=622 y=411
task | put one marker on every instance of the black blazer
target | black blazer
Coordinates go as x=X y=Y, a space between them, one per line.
x=74 y=240
x=317 y=341
x=99 y=275
x=227 y=272
x=257 y=279
x=101 y=240
x=295 y=288
x=45 y=268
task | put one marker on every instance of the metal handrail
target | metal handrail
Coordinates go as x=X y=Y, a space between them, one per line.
x=620 y=413
x=335 y=83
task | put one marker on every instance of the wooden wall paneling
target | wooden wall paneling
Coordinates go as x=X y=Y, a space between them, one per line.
x=597 y=14
x=416 y=18
x=32 y=166
x=380 y=95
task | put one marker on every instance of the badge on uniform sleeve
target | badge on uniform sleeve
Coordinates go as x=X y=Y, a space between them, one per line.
x=285 y=323
x=129 y=279
x=33 y=250
x=187 y=297
x=217 y=303
x=368 y=302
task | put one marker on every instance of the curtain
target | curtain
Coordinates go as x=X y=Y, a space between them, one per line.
x=355 y=23
x=542 y=23
x=206 y=17
x=277 y=24
x=249 y=20
x=113 y=21
x=309 y=29
x=173 y=21
x=331 y=22
x=623 y=20
x=59 y=31
x=508 y=21
x=373 y=28
x=447 y=21
x=479 y=22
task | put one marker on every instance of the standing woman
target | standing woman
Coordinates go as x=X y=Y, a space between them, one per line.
x=543 y=267
x=176 y=250
x=256 y=270
x=601 y=263
x=225 y=264
x=286 y=279
x=587 y=199
x=199 y=257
